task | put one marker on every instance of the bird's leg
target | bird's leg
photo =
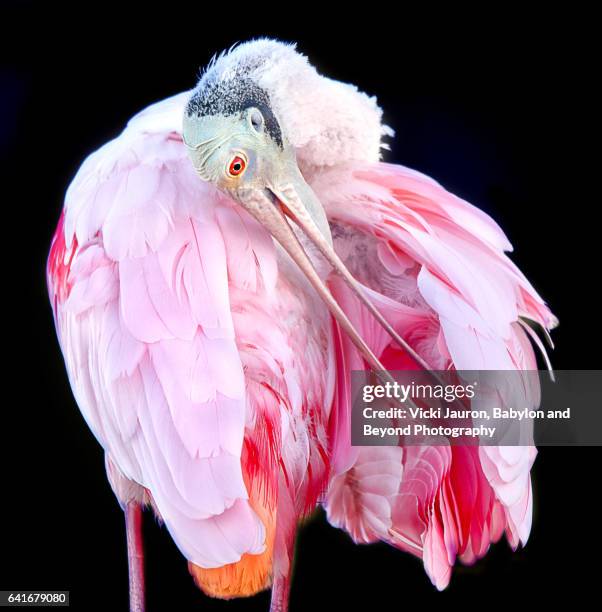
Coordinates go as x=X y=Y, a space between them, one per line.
x=281 y=588
x=284 y=548
x=133 y=527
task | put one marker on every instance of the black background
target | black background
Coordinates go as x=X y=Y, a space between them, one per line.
x=500 y=108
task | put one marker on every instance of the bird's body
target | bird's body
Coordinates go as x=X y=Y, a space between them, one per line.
x=181 y=349
x=212 y=372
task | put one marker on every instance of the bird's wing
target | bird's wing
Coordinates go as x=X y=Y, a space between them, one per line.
x=436 y=268
x=138 y=279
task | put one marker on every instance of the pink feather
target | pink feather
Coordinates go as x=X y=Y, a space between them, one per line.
x=158 y=285
x=437 y=270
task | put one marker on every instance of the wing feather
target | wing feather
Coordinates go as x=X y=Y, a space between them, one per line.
x=435 y=266
x=138 y=277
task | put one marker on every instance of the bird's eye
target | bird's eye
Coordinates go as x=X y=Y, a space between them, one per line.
x=237 y=166
x=256 y=119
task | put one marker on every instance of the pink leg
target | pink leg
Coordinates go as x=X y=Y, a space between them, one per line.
x=280 y=593
x=133 y=527
x=284 y=548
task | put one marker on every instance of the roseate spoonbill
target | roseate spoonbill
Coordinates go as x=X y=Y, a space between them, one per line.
x=217 y=271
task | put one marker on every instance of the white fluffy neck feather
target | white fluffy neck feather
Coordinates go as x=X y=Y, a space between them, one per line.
x=326 y=121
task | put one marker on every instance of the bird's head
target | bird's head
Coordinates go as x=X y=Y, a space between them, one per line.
x=260 y=112
x=246 y=123
x=234 y=138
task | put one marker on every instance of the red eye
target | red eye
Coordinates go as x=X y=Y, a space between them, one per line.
x=237 y=166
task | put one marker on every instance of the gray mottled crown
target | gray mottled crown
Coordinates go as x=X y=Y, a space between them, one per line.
x=231 y=94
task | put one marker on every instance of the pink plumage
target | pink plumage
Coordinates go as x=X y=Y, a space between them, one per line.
x=169 y=319
x=216 y=380
x=444 y=282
